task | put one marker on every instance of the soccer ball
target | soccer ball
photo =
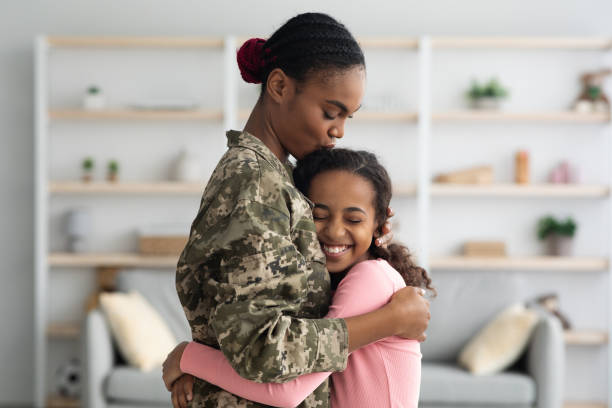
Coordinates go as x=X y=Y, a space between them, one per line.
x=68 y=378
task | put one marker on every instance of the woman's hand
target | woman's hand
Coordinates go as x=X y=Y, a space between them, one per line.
x=182 y=391
x=171 y=369
x=411 y=311
x=387 y=234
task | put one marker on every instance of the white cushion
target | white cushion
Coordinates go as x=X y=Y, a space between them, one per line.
x=501 y=342
x=142 y=336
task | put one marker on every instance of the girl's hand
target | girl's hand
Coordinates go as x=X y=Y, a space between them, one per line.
x=171 y=369
x=182 y=391
x=387 y=234
x=411 y=311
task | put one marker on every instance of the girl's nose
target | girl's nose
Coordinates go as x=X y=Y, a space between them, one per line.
x=335 y=230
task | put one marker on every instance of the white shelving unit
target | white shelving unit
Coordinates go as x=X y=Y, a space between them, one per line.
x=229 y=114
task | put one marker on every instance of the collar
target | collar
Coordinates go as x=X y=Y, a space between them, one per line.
x=236 y=138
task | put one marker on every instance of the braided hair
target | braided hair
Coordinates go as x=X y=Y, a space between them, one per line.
x=307 y=43
x=365 y=165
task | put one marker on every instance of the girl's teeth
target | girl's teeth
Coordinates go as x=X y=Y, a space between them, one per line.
x=335 y=249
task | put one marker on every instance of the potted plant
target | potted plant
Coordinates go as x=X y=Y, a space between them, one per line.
x=88 y=166
x=113 y=171
x=94 y=99
x=558 y=234
x=487 y=96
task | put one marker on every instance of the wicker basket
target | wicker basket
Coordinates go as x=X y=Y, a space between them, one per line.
x=162 y=245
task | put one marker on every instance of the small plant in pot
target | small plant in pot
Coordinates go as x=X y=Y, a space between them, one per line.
x=88 y=166
x=558 y=234
x=487 y=96
x=113 y=171
x=94 y=99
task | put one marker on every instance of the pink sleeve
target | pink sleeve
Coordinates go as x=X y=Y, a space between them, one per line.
x=211 y=365
x=365 y=288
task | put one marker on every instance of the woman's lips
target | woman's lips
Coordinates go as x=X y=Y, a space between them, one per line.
x=335 y=251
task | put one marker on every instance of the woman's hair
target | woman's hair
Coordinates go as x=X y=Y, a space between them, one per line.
x=307 y=43
x=365 y=165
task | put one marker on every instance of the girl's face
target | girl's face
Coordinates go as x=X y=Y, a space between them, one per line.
x=312 y=116
x=345 y=217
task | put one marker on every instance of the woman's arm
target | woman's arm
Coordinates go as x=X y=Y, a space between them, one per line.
x=365 y=288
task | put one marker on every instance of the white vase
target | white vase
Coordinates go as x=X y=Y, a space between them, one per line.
x=187 y=168
x=78 y=229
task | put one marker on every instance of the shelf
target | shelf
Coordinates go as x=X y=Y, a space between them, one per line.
x=56 y=401
x=79 y=187
x=533 y=263
x=119 y=42
x=586 y=337
x=502 y=116
x=120 y=260
x=563 y=43
x=63 y=330
x=568 y=43
x=520 y=190
x=476 y=116
x=365 y=115
x=585 y=405
x=135 y=114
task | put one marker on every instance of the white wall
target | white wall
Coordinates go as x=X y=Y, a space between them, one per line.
x=22 y=20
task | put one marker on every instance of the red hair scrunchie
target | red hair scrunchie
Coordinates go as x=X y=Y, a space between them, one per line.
x=250 y=60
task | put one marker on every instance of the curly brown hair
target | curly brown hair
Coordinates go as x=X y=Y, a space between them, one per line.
x=367 y=166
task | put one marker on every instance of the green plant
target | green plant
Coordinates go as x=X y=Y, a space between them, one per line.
x=113 y=166
x=93 y=90
x=491 y=89
x=88 y=164
x=549 y=225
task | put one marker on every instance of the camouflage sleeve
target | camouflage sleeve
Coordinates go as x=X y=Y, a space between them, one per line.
x=255 y=319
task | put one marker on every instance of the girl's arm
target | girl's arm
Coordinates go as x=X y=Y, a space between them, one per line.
x=365 y=288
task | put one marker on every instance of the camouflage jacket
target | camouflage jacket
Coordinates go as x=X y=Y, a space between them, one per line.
x=252 y=277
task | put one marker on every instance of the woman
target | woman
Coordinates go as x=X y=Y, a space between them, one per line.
x=252 y=277
x=351 y=192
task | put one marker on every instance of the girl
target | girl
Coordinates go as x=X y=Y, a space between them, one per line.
x=351 y=192
x=252 y=278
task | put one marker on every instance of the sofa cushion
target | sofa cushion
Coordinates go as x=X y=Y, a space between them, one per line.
x=445 y=383
x=466 y=302
x=130 y=385
x=157 y=286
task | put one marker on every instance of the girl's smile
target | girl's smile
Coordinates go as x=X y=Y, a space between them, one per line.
x=344 y=216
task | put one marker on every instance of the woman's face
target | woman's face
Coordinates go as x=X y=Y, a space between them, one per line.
x=313 y=115
x=345 y=217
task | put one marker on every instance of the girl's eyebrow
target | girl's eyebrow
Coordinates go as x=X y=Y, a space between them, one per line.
x=341 y=105
x=322 y=206
x=353 y=209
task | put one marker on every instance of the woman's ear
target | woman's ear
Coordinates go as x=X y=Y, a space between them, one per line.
x=278 y=85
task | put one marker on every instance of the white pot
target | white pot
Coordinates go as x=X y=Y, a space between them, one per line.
x=188 y=168
x=487 y=103
x=94 y=101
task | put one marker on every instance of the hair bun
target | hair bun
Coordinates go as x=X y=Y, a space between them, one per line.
x=250 y=60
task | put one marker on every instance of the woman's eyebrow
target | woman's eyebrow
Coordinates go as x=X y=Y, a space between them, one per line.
x=341 y=105
x=321 y=206
x=353 y=209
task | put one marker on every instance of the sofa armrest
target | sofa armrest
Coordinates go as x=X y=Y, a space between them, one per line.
x=97 y=358
x=546 y=361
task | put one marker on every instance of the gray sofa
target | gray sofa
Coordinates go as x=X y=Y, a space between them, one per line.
x=466 y=302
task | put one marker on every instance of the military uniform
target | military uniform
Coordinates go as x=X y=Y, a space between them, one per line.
x=252 y=277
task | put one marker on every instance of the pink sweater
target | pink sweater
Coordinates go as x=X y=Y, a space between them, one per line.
x=386 y=373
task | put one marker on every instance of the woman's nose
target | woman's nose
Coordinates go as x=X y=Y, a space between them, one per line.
x=337 y=131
